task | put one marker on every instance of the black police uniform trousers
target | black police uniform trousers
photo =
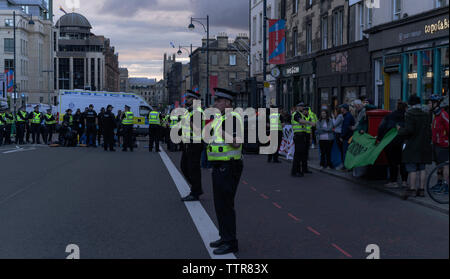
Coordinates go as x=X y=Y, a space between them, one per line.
x=91 y=134
x=36 y=133
x=300 y=164
x=2 y=132
x=20 y=132
x=7 y=135
x=128 y=137
x=191 y=167
x=226 y=176
x=154 y=137
x=276 y=154
x=100 y=133
x=108 y=138
x=48 y=136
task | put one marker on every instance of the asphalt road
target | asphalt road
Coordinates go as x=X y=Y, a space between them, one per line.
x=126 y=205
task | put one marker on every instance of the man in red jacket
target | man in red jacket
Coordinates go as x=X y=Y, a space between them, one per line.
x=440 y=130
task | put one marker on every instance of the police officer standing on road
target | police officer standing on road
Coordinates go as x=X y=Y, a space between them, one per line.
x=226 y=159
x=301 y=141
x=9 y=119
x=312 y=118
x=127 y=124
x=36 y=119
x=2 y=125
x=172 y=124
x=154 y=133
x=108 y=124
x=50 y=123
x=21 y=122
x=276 y=126
x=91 y=123
x=100 y=126
x=192 y=148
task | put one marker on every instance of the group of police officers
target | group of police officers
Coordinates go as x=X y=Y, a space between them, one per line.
x=225 y=158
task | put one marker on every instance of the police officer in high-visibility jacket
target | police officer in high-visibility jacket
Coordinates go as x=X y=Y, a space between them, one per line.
x=2 y=125
x=226 y=159
x=192 y=147
x=310 y=129
x=173 y=123
x=127 y=124
x=21 y=122
x=299 y=123
x=36 y=118
x=50 y=123
x=276 y=126
x=154 y=121
x=9 y=120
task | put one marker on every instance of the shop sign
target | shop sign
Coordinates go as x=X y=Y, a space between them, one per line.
x=292 y=71
x=438 y=26
x=392 y=60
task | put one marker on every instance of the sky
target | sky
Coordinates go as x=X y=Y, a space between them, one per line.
x=141 y=30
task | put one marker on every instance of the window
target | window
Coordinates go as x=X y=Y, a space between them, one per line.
x=214 y=59
x=397 y=9
x=9 y=64
x=9 y=45
x=260 y=27
x=369 y=18
x=441 y=3
x=352 y=24
x=309 y=4
x=233 y=60
x=427 y=73
x=324 y=25
x=309 y=37
x=360 y=21
x=295 y=6
x=232 y=76
x=9 y=22
x=254 y=30
x=338 y=27
x=295 y=42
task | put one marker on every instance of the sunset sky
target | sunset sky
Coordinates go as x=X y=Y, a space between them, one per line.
x=141 y=30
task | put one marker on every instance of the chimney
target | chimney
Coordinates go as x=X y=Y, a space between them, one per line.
x=222 y=40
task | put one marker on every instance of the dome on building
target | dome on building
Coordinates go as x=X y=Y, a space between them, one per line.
x=73 y=20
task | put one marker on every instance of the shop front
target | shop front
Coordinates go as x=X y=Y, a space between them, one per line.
x=296 y=84
x=343 y=75
x=411 y=57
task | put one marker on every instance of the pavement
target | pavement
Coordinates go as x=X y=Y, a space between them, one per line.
x=127 y=205
x=376 y=184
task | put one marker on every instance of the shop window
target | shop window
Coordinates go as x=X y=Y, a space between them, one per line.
x=412 y=73
x=444 y=70
x=427 y=73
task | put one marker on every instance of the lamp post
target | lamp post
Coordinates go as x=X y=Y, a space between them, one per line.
x=179 y=52
x=192 y=27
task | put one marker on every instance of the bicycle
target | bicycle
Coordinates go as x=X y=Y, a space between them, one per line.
x=437 y=186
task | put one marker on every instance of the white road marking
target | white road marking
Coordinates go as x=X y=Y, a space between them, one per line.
x=19 y=150
x=202 y=221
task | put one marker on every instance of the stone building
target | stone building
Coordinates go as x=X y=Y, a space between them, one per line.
x=228 y=63
x=80 y=59
x=124 y=82
x=34 y=49
x=112 y=73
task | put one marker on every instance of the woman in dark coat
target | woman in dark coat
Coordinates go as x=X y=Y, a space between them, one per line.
x=418 y=150
x=394 y=150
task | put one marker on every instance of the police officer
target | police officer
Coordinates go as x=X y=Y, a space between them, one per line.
x=172 y=124
x=100 y=126
x=50 y=123
x=226 y=159
x=127 y=124
x=154 y=133
x=9 y=117
x=2 y=125
x=301 y=141
x=36 y=119
x=66 y=129
x=21 y=122
x=91 y=124
x=276 y=126
x=312 y=118
x=108 y=124
x=192 y=147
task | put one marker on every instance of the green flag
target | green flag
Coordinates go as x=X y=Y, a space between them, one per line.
x=363 y=151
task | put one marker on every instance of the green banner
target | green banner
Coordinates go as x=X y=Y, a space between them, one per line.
x=363 y=151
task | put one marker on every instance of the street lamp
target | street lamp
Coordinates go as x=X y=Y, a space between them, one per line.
x=179 y=52
x=192 y=27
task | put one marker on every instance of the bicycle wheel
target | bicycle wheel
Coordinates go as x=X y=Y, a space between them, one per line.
x=437 y=187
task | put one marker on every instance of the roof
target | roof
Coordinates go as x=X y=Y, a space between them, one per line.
x=73 y=20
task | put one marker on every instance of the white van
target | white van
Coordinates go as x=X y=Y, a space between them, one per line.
x=81 y=99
